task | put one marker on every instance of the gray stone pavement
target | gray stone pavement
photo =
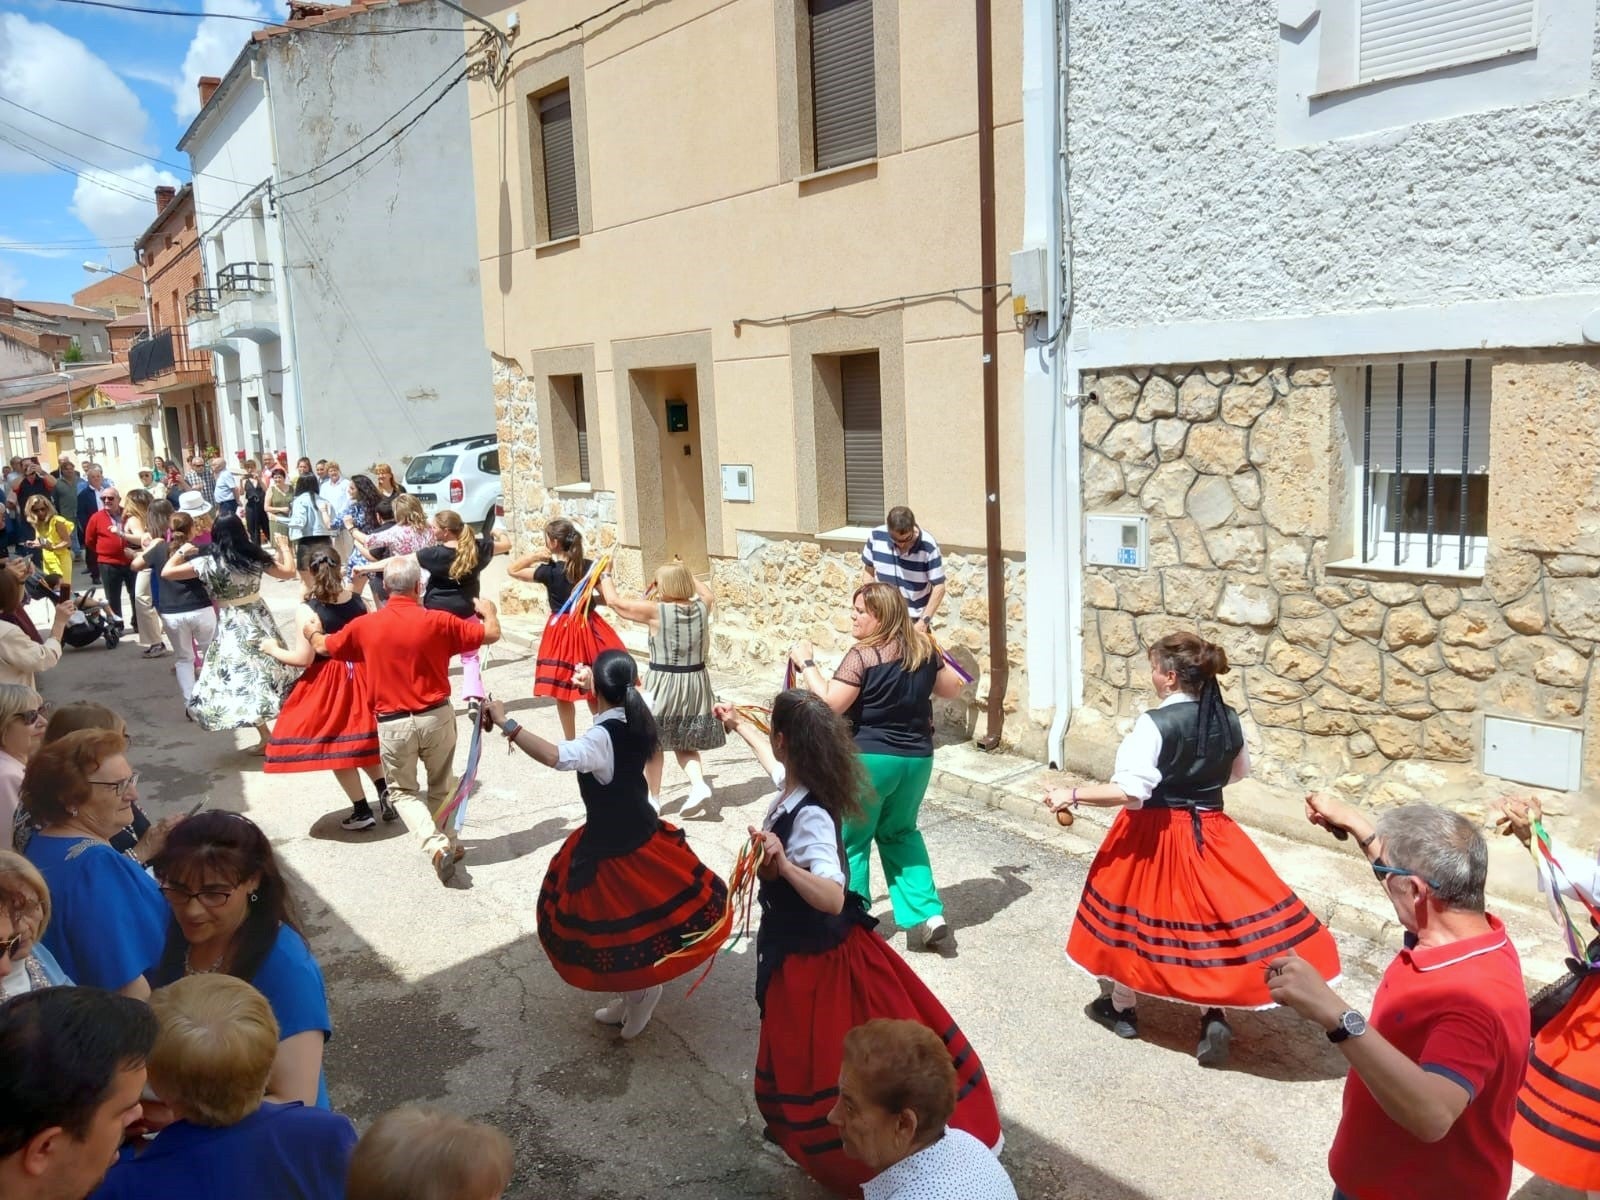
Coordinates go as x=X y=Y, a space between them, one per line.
x=444 y=995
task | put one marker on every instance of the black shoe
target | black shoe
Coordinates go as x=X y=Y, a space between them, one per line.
x=360 y=818
x=386 y=807
x=1122 y=1022
x=1215 y=1034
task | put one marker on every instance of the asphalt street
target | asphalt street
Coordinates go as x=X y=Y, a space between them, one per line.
x=444 y=994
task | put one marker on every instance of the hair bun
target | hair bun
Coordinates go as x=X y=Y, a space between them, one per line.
x=1216 y=659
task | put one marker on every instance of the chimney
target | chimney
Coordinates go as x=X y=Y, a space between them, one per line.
x=208 y=87
x=164 y=197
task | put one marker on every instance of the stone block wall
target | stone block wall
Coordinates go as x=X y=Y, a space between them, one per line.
x=1368 y=682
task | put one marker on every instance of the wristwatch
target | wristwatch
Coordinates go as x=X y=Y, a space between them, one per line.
x=510 y=727
x=1351 y=1024
x=810 y=662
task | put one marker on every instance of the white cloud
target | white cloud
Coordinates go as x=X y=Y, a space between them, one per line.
x=112 y=206
x=11 y=281
x=216 y=43
x=15 y=245
x=45 y=70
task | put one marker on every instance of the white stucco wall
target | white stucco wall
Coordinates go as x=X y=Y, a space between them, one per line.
x=1186 y=207
x=383 y=261
x=231 y=151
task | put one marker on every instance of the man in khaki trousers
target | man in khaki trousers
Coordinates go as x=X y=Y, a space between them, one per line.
x=407 y=649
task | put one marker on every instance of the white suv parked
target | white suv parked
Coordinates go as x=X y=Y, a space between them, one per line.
x=462 y=474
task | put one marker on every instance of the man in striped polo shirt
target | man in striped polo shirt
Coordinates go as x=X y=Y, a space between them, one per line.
x=899 y=553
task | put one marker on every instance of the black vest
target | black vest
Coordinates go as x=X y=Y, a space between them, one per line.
x=618 y=818
x=335 y=617
x=1191 y=776
x=789 y=925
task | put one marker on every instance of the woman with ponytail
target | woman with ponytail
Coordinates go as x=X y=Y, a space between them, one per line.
x=453 y=563
x=1179 y=902
x=570 y=640
x=624 y=891
x=820 y=968
x=328 y=722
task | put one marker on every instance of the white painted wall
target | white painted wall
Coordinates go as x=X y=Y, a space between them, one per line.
x=231 y=149
x=1198 y=232
x=383 y=261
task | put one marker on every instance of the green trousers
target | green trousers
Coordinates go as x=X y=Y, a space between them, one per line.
x=895 y=787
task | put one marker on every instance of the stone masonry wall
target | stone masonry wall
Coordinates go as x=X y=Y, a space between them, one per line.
x=1369 y=683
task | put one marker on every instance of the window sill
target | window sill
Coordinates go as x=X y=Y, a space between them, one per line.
x=1354 y=568
x=845 y=533
x=556 y=244
x=574 y=489
x=861 y=164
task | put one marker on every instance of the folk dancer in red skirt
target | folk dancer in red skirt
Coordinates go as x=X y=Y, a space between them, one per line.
x=570 y=639
x=820 y=969
x=1556 y=1134
x=327 y=723
x=1179 y=903
x=624 y=891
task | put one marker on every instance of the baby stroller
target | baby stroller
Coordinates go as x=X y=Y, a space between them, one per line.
x=93 y=621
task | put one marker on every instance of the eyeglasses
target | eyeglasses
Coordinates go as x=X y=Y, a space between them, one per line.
x=1381 y=869
x=209 y=897
x=122 y=786
x=34 y=715
x=8 y=945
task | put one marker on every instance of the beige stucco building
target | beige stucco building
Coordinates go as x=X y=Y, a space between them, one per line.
x=731 y=268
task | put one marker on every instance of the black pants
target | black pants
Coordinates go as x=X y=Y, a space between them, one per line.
x=114 y=577
x=255 y=521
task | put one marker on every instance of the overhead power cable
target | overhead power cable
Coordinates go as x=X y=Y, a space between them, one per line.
x=381 y=31
x=88 y=163
x=160 y=162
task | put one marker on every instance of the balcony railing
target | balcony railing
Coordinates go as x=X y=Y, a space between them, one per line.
x=245 y=277
x=164 y=353
x=202 y=302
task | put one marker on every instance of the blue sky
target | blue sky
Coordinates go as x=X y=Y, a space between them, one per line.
x=128 y=78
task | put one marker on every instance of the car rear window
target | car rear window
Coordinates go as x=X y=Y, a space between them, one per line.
x=430 y=468
x=489 y=463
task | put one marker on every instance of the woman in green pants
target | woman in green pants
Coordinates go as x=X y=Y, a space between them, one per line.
x=885 y=688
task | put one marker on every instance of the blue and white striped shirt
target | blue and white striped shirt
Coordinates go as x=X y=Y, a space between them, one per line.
x=915 y=572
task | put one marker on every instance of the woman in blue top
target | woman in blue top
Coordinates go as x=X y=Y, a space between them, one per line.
x=109 y=918
x=231 y=912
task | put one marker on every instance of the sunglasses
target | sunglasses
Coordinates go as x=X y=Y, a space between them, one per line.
x=208 y=897
x=1381 y=870
x=34 y=715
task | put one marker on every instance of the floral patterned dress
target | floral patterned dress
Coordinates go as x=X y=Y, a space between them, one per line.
x=239 y=686
x=367 y=522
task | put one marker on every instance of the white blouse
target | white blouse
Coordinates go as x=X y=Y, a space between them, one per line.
x=814 y=840
x=591 y=751
x=1136 y=772
x=956 y=1167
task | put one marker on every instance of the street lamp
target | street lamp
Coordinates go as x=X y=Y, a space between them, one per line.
x=95 y=268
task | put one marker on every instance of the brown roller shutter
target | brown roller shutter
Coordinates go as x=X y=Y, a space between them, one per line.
x=560 y=172
x=863 y=439
x=580 y=421
x=844 y=100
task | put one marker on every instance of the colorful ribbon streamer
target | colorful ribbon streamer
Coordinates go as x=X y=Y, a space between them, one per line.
x=457 y=805
x=737 y=911
x=758 y=716
x=1576 y=943
x=583 y=595
x=954 y=665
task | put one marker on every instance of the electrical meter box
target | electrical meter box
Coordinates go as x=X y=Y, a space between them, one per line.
x=1117 y=540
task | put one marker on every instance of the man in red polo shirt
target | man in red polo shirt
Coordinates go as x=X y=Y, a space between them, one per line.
x=1434 y=1074
x=407 y=649
x=114 y=549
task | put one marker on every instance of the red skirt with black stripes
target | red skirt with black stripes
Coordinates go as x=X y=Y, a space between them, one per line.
x=1556 y=1132
x=1191 y=919
x=326 y=723
x=613 y=933
x=812 y=1002
x=570 y=642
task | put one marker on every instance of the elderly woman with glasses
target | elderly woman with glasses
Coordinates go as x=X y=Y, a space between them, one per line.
x=25 y=965
x=231 y=914
x=110 y=919
x=22 y=720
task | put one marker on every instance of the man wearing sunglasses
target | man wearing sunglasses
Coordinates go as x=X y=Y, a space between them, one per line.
x=1434 y=1073
x=900 y=554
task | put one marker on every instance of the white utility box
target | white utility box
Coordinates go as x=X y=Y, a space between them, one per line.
x=1548 y=756
x=1117 y=540
x=1029 y=289
x=738 y=483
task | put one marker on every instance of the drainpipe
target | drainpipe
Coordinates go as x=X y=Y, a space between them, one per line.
x=290 y=356
x=1065 y=461
x=999 y=667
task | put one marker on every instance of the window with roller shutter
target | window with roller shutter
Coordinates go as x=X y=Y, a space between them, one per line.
x=844 y=102
x=1420 y=440
x=1371 y=41
x=560 y=168
x=863 y=439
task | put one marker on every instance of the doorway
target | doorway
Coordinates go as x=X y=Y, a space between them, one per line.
x=670 y=398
